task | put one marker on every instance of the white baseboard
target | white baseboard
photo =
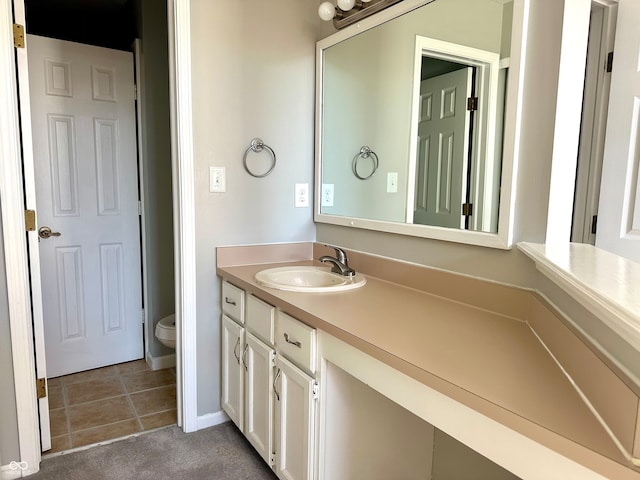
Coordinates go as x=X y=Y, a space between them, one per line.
x=212 y=419
x=8 y=473
x=158 y=363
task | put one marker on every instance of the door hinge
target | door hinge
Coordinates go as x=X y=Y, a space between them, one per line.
x=272 y=356
x=594 y=224
x=472 y=104
x=135 y=92
x=467 y=209
x=142 y=315
x=18 y=35
x=30 y=220
x=609 y=65
x=272 y=459
x=314 y=390
x=41 y=387
x=139 y=207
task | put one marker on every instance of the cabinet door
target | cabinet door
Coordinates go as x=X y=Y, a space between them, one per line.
x=258 y=417
x=295 y=422
x=232 y=372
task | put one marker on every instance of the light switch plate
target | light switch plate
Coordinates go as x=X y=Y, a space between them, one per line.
x=392 y=182
x=217 y=180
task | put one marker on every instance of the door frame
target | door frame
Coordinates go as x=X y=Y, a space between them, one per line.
x=16 y=253
x=594 y=121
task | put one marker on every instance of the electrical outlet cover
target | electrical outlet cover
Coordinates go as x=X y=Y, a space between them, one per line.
x=327 y=195
x=301 y=195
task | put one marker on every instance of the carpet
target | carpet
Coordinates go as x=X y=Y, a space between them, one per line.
x=219 y=452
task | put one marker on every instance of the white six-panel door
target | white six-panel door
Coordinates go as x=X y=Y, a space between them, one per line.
x=84 y=142
x=619 y=208
x=443 y=148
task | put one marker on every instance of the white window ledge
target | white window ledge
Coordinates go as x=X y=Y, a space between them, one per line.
x=605 y=283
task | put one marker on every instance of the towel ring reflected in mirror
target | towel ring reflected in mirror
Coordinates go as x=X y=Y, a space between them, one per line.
x=257 y=145
x=364 y=153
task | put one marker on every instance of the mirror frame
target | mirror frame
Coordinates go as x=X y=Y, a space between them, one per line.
x=503 y=238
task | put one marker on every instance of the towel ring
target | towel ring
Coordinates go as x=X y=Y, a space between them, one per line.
x=365 y=152
x=257 y=145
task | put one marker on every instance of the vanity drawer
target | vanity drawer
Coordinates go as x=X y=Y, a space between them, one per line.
x=233 y=301
x=296 y=341
x=260 y=318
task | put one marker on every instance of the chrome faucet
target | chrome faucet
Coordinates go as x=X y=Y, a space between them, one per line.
x=340 y=262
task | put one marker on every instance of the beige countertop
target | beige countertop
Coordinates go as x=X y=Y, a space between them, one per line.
x=488 y=361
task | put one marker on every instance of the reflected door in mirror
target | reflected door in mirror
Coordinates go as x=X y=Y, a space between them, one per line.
x=443 y=149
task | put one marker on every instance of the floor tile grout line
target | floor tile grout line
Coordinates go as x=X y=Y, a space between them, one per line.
x=125 y=392
x=109 y=372
x=130 y=401
x=67 y=413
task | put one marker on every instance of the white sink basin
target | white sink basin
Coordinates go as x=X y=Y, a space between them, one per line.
x=307 y=279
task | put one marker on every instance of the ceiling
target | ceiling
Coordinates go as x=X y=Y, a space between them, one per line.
x=106 y=23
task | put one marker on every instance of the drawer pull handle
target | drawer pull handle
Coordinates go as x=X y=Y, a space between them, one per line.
x=292 y=342
x=235 y=351
x=229 y=301
x=275 y=381
x=244 y=356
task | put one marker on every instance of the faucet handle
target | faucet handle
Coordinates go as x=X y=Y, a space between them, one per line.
x=341 y=256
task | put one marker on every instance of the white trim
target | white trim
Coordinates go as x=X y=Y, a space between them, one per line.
x=184 y=210
x=159 y=363
x=212 y=419
x=602 y=282
x=32 y=239
x=141 y=150
x=8 y=473
x=573 y=57
x=15 y=248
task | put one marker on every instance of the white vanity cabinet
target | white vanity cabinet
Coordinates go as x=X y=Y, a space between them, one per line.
x=296 y=393
x=233 y=342
x=232 y=372
x=268 y=386
x=259 y=363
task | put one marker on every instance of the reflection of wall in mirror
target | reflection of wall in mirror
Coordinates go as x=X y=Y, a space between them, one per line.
x=367 y=98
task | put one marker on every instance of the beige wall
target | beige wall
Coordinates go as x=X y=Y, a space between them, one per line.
x=253 y=76
x=8 y=417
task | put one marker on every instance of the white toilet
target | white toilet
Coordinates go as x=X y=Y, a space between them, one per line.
x=166 y=331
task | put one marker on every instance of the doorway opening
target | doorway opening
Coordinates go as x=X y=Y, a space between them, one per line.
x=594 y=121
x=116 y=24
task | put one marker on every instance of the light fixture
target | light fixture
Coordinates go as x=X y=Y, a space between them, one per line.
x=351 y=11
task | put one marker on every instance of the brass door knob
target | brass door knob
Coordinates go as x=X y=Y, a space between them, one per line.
x=45 y=232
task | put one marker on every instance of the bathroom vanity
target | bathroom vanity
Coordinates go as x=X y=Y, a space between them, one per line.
x=415 y=372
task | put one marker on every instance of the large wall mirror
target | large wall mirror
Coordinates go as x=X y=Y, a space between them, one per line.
x=417 y=118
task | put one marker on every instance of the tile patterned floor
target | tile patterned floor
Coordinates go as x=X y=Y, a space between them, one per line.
x=110 y=402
